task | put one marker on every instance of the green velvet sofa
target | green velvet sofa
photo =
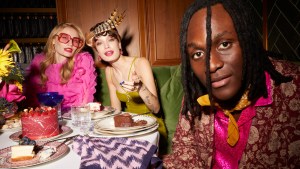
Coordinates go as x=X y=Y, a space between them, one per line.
x=168 y=79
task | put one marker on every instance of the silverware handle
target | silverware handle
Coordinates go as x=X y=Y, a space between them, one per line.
x=67 y=139
x=140 y=114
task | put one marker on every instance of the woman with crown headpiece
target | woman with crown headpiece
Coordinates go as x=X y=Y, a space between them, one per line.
x=130 y=79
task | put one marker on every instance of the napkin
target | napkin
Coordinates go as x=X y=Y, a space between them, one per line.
x=111 y=152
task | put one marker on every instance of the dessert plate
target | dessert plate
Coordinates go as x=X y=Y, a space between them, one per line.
x=11 y=129
x=109 y=124
x=138 y=133
x=106 y=112
x=122 y=132
x=65 y=130
x=12 y=124
x=5 y=156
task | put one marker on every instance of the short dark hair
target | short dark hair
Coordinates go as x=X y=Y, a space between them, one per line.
x=91 y=37
x=112 y=32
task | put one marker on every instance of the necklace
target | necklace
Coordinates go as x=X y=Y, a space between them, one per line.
x=117 y=72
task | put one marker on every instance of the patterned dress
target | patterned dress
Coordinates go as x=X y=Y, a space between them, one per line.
x=274 y=134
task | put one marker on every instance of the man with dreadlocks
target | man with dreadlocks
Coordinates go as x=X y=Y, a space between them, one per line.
x=240 y=108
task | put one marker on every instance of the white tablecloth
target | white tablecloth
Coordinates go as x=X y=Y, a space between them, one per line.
x=71 y=160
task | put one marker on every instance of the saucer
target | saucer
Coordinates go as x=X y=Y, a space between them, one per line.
x=65 y=130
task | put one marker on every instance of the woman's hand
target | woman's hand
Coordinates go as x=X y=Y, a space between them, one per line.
x=133 y=85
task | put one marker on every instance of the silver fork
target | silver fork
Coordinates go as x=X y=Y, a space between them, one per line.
x=67 y=139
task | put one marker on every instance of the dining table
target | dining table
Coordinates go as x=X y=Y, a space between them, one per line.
x=70 y=160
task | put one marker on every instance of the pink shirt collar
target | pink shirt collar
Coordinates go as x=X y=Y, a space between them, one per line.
x=227 y=157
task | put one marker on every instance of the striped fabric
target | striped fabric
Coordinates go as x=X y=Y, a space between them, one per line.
x=110 y=153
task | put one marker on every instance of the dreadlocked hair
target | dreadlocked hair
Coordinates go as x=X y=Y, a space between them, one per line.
x=191 y=85
x=255 y=57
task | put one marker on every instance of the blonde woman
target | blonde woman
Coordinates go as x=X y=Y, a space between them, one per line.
x=63 y=68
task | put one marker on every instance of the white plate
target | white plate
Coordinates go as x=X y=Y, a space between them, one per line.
x=11 y=129
x=109 y=124
x=12 y=121
x=97 y=133
x=106 y=112
x=5 y=156
x=121 y=132
x=107 y=115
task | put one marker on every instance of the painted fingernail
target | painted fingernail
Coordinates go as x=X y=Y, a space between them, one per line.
x=121 y=83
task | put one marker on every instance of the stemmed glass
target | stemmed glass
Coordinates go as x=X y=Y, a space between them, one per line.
x=52 y=99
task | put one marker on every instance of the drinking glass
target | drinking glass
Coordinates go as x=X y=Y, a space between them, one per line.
x=85 y=122
x=81 y=118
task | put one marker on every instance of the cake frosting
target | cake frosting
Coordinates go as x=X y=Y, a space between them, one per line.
x=40 y=123
x=95 y=106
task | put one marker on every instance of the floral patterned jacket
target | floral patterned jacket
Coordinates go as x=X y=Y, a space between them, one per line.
x=274 y=139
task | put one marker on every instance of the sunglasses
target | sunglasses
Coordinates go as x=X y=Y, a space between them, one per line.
x=65 y=38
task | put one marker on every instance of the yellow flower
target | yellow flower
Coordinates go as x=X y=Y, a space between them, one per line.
x=6 y=63
x=13 y=47
x=19 y=85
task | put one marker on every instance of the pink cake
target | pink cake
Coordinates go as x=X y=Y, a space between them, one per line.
x=40 y=123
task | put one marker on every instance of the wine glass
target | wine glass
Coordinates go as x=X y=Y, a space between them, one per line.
x=58 y=99
x=52 y=99
x=46 y=98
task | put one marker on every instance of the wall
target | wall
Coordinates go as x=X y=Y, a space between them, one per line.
x=150 y=28
x=284 y=28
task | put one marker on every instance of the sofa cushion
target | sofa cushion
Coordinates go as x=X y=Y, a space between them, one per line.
x=170 y=93
x=102 y=92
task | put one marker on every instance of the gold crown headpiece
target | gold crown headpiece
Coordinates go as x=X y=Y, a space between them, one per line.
x=112 y=22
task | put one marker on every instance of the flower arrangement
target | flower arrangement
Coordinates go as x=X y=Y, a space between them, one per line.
x=11 y=79
x=9 y=71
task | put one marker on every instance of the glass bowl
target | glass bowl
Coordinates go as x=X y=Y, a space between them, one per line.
x=50 y=98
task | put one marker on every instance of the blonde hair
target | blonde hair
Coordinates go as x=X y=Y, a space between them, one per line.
x=49 y=50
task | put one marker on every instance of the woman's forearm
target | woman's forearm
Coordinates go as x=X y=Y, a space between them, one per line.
x=149 y=99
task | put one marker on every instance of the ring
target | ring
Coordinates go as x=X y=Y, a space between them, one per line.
x=121 y=83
